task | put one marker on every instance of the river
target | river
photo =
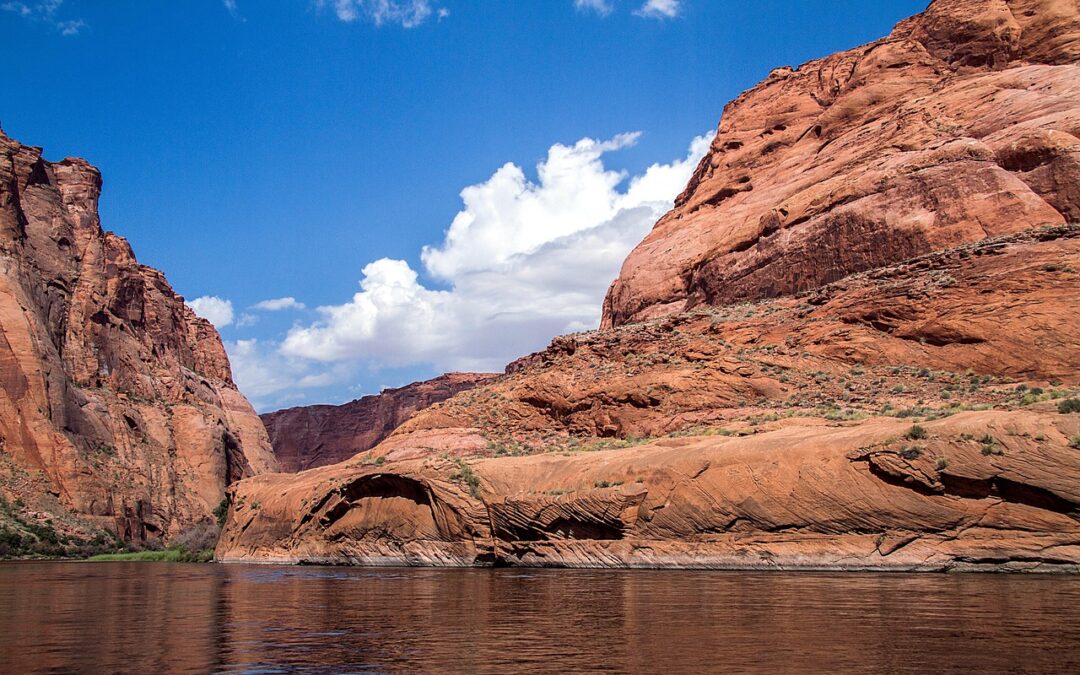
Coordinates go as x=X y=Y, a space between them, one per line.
x=171 y=618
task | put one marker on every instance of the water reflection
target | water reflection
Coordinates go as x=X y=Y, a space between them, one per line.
x=146 y=617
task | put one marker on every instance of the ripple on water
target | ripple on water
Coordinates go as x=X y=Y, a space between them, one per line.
x=144 y=617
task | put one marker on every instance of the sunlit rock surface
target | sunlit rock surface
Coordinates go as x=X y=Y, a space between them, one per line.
x=117 y=406
x=847 y=347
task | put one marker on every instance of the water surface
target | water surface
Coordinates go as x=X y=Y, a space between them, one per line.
x=161 y=617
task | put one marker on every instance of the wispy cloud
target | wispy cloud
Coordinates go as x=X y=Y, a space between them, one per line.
x=659 y=9
x=45 y=12
x=601 y=7
x=405 y=13
x=71 y=27
x=233 y=8
x=652 y=9
x=278 y=304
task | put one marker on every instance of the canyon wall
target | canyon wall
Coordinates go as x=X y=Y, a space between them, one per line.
x=916 y=417
x=962 y=124
x=117 y=407
x=851 y=345
x=306 y=437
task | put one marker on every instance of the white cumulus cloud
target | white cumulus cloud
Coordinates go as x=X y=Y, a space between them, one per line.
x=659 y=9
x=279 y=304
x=523 y=261
x=271 y=379
x=214 y=309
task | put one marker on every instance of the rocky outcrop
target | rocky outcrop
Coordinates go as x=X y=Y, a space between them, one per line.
x=852 y=345
x=117 y=407
x=804 y=495
x=316 y=435
x=962 y=124
x=905 y=418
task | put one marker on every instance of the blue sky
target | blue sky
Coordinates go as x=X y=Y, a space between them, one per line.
x=258 y=151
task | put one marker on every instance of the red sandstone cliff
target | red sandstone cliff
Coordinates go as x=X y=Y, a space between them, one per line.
x=316 y=435
x=848 y=346
x=117 y=406
x=961 y=124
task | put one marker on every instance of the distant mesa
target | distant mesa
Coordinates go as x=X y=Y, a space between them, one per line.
x=316 y=435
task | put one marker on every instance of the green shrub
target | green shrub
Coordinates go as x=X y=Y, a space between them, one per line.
x=164 y=555
x=466 y=475
x=941 y=463
x=196 y=544
x=44 y=532
x=12 y=543
x=1069 y=405
x=916 y=432
x=911 y=453
x=221 y=511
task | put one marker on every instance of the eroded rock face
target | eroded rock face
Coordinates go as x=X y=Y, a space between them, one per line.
x=845 y=348
x=316 y=435
x=804 y=495
x=962 y=124
x=117 y=406
x=784 y=433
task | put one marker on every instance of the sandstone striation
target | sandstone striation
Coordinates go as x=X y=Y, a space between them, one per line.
x=117 y=406
x=851 y=345
x=962 y=124
x=912 y=407
x=804 y=495
x=306 y=437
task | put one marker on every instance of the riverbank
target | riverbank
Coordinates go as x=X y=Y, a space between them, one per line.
x=25 y=535
x=165 y=555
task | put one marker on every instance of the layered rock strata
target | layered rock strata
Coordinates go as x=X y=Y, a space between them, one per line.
x=851 y=345
x=904 y=418
x=117 y=406
x=310 y=436
x=962 y=124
